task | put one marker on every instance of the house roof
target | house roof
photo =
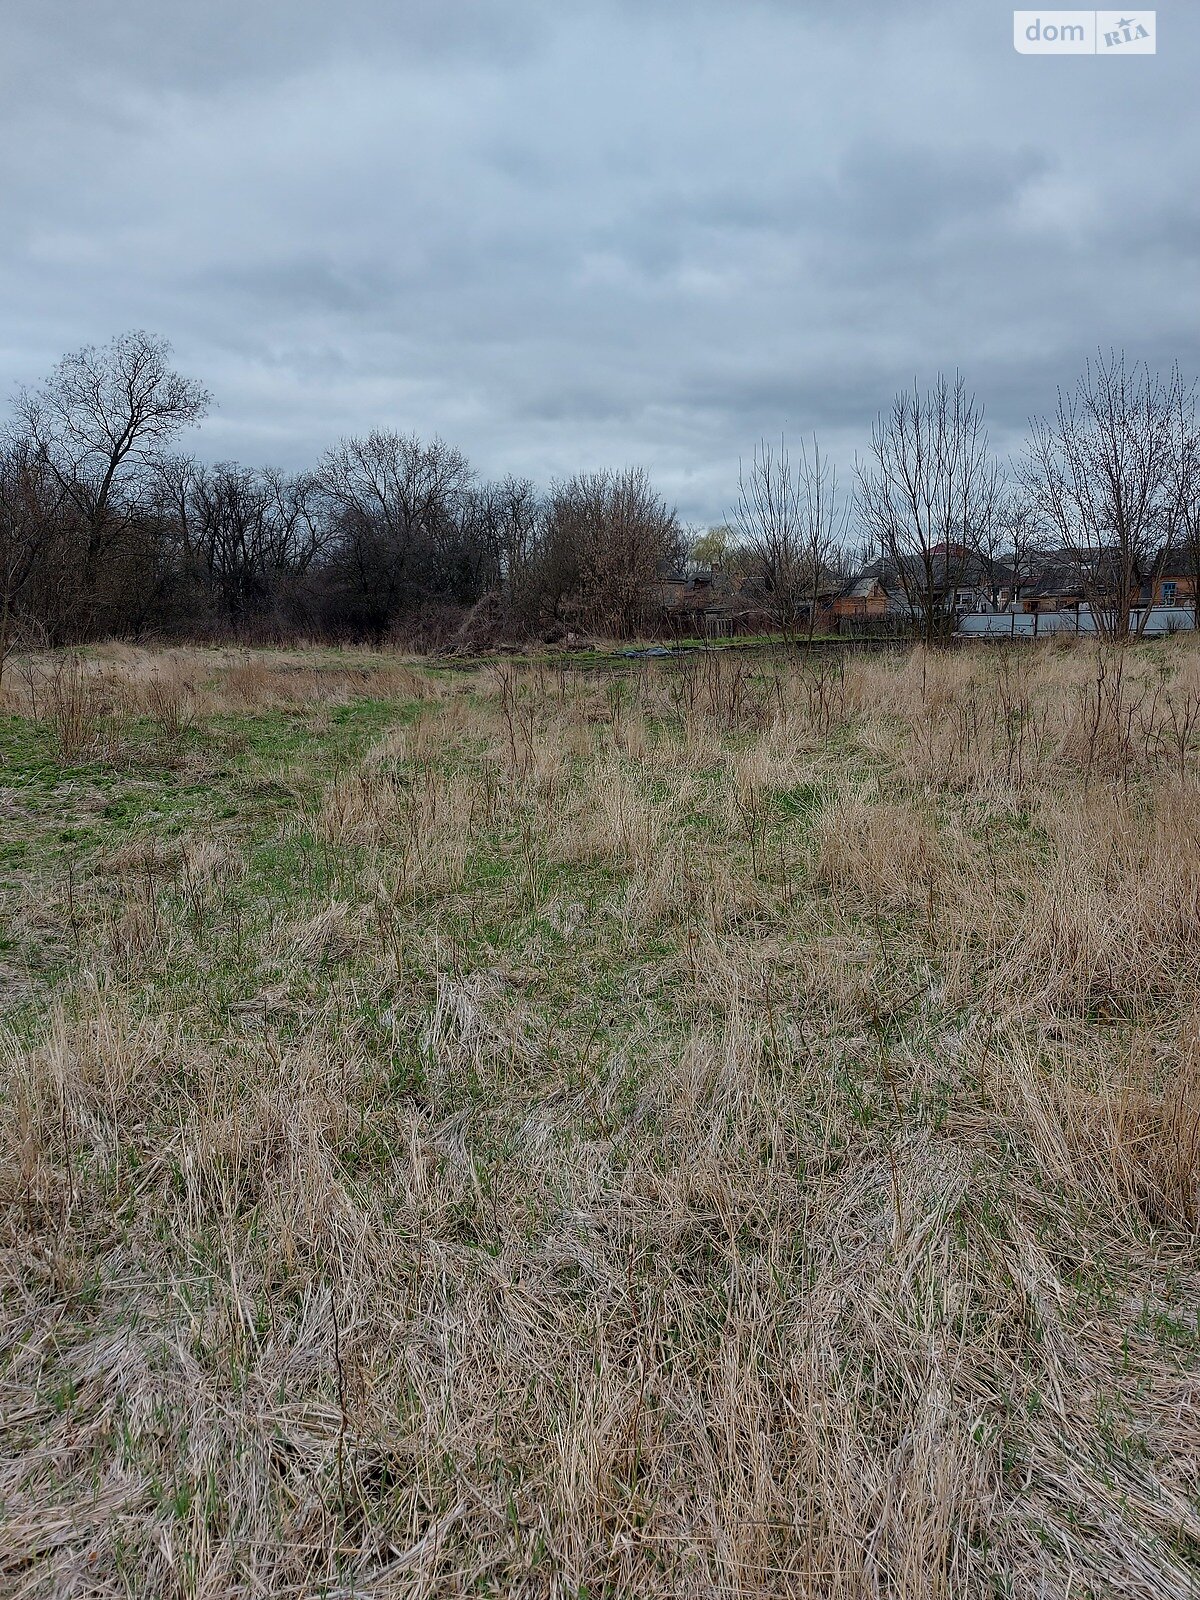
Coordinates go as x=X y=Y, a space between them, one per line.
x=1061 y=571
x=860 y=588
x=948 y=571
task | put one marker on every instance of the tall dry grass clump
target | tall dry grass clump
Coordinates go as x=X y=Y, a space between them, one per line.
x=729 y=1128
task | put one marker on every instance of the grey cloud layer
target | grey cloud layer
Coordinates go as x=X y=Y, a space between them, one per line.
x=579 y=235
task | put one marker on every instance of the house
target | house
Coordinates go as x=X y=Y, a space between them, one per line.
x=700 y=600
x=1062 y=593
x=863 y=596
x=1058 y=580
x=733 y=597
x=1175 y=584
x=955 y=581
x=820 y=614
x=1052 y=581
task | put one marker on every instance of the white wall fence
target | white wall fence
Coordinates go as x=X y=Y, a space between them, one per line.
x=1036 y=624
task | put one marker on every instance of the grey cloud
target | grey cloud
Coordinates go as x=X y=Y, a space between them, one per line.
x=583 y=235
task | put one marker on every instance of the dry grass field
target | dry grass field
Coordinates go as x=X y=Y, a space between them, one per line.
x=720 y=1131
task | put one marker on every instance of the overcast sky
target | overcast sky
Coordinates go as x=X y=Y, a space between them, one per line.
x=591 y=232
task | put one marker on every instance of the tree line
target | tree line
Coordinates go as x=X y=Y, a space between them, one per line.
x=108 y=528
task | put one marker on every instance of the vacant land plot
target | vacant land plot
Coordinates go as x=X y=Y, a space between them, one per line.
x=707 y=1132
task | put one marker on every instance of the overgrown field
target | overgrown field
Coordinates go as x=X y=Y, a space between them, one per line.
x=719 y=1131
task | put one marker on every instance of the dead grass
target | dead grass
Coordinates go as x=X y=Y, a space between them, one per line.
x=173 y=684
x=706 y=1133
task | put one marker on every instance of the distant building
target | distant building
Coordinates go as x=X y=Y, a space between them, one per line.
x=1055 y=582
x=954 y=582
x=1059 y=580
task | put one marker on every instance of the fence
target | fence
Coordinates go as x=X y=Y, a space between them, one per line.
x=1036 y=624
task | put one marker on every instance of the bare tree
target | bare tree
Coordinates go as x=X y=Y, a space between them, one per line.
x=928 y=496
x=1103 y=475
x=31 y=520
x=768 y=520
x=241 y=533
x=606 y=537
x=400 y=511
x=1184 y=503
x=1023 y=537
x=824 y=525
x=507 y=521
x=793 y=523
x=99 y=422
x=1012 y=542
